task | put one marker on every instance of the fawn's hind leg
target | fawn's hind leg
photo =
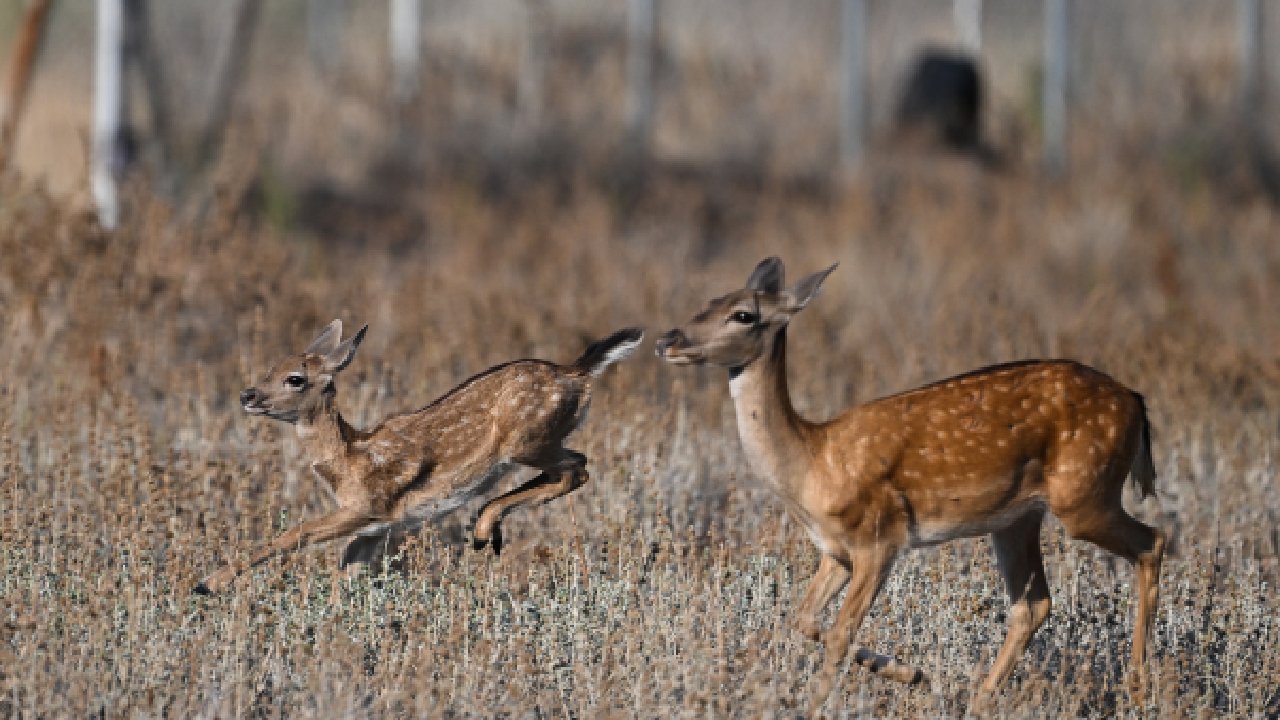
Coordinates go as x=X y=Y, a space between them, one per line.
x=562 y=473
x=370 y=549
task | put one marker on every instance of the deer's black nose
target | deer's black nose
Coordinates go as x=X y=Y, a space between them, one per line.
x=249 y=396
x=668 y=340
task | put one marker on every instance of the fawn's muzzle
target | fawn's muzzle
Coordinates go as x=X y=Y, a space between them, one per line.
x=250 y=397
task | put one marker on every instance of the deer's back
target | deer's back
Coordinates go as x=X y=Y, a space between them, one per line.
x=978 y=443
x=509 y=410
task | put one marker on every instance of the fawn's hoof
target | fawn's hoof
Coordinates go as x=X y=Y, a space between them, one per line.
x=201 y=589
x=494 y=539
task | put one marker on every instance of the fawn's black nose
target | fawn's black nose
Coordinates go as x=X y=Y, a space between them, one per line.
x=668 y=340
x=249 y=396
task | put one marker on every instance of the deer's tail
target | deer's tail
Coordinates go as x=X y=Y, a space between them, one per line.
x=1143 y=471
x=600 y=354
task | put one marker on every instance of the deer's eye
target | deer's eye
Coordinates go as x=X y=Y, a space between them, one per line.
x=744 y=317
x=295 y=381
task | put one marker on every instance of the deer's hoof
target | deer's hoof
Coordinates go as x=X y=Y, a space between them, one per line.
x=494 y=541
x=201 y=589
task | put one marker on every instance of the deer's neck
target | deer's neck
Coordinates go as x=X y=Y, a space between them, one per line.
x=323 y=433
x=772 y=433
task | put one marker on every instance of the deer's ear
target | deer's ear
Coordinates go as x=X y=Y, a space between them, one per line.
x=767 y=277
x=327 y=340
x=342 y=355
x=795 y=298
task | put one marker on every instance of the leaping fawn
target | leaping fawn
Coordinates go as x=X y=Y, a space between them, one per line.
x=984 y=452
x=415 y=467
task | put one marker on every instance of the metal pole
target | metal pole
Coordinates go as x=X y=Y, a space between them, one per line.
x=967 y=15
x=405 y=30
x=1249 y=22
x=529 y=90
x=325 y=20
x=642 y=26
x=1055 y=85
x=853 y=25
x=108 y=107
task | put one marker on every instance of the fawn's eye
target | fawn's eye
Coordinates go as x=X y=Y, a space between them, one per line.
x=295 y=381
x=744 y=317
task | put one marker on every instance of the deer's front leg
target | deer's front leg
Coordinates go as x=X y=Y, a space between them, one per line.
x=566 y=474
x=871 y=565
x=335 y=525
x=826 y=583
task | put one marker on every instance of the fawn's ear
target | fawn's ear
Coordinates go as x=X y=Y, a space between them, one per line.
x=327 y=340
x=341 y=356
x=796 y=297
x=767 y=277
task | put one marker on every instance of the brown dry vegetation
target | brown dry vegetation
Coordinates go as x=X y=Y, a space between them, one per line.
x=666 y=586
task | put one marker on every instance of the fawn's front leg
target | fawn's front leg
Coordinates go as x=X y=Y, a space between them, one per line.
x=334 y=525
x=566 y=473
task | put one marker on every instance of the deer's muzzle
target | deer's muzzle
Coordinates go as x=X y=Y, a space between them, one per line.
x=669 y=340
x=674 y=347
x=251 y=400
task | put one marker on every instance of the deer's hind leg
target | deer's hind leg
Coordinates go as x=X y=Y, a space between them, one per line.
x=1142 y=545
x=1102 y=520
x=563 y=471
x=1021 y=563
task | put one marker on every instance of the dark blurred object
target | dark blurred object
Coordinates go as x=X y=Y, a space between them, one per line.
x=942 y=103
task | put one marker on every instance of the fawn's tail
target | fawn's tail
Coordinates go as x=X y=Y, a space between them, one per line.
x=1143 y=471
x=600 y=354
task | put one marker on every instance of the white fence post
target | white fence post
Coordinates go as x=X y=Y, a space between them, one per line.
x=853 y=34
x=325 y=32
x=1249 y=24
x=967 y=15
x=108 y=107
x=406 y=32
x=1054 y=100
x=529 y=90
x=642 y=33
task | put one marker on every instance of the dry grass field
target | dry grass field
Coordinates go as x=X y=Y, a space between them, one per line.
x=666 y=586
x=466 y=235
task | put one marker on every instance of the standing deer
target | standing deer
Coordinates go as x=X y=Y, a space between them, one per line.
x=984 y=452
x=416 y=467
